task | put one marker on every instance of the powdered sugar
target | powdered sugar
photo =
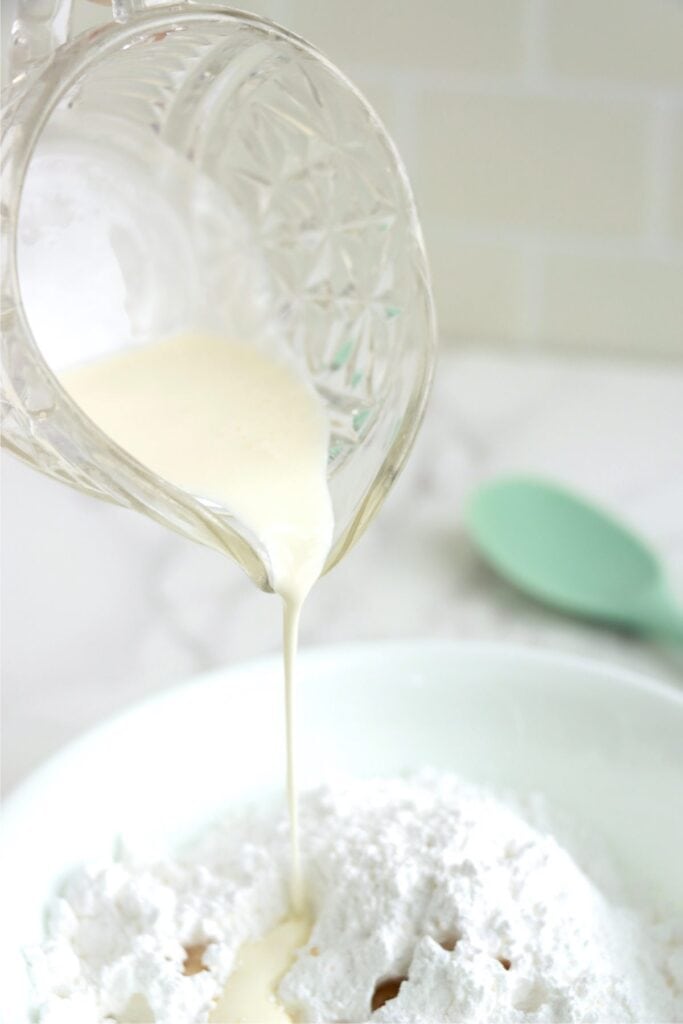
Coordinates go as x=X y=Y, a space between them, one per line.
x=426 y=879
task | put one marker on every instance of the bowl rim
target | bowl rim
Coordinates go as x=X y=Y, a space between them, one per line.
x=487 y=650
x=464 y=663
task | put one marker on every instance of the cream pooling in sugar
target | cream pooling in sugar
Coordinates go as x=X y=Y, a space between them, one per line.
x=225 y=422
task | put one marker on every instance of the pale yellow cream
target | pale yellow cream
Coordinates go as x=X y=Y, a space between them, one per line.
x=249 y=995
x=226 y=422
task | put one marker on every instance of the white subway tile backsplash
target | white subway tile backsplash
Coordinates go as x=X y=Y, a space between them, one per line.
x=623 y=304
x=535 y=163
x=451 y=35
x=479 y=287
x=629 y=41
x=545 y=143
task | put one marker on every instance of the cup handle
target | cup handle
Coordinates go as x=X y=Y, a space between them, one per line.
x=37 y=30
x=42 y=26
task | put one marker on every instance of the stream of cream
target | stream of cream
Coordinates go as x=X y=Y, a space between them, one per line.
x=227 y=423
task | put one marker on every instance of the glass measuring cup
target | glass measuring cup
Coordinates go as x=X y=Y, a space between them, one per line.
x=190 y=167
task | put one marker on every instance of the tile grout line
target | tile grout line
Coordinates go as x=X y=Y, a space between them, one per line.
x=625 y=249
x=535 y=43
x=548 y=85
x=405 y=100
x=532 y=294
x=659 y=170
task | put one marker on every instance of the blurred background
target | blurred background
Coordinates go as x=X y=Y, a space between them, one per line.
x=544 y=140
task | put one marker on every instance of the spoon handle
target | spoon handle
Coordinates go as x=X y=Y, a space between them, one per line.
x=662 y=616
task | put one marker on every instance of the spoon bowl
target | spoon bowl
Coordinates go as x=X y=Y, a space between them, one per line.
x=568 y=553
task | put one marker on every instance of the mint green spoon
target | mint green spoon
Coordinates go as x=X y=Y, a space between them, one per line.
x=565 y=552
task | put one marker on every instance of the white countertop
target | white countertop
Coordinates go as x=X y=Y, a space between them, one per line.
x=101 y=606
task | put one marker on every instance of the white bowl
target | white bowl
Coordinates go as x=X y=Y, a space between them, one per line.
x=599 y=742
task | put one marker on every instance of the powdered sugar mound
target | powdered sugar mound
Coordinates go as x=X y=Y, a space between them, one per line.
x=428 y=884
x=121 y=931
x=398 y=870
